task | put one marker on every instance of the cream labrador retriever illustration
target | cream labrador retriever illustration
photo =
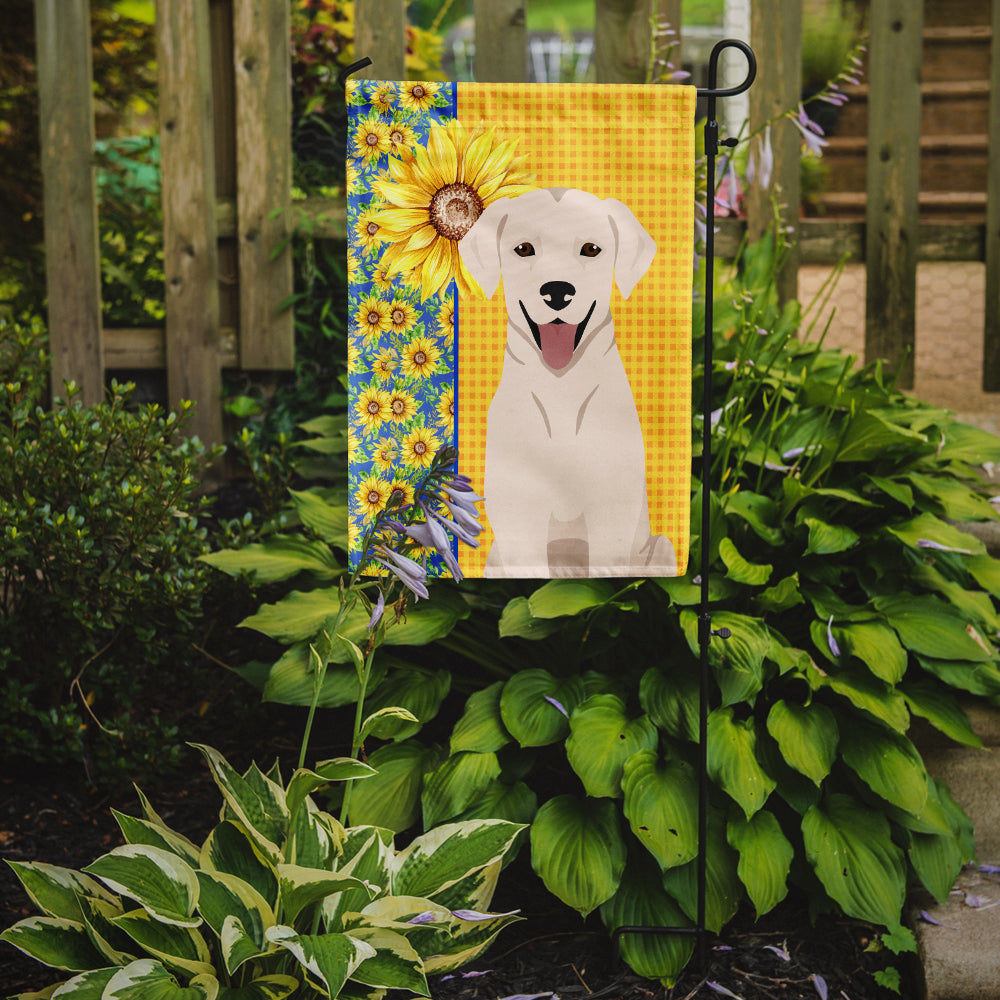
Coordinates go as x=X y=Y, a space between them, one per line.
x=565 y=475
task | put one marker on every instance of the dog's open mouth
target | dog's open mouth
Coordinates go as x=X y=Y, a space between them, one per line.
x=557 y=340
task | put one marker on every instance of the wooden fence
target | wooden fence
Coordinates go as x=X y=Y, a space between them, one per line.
x=226 y=161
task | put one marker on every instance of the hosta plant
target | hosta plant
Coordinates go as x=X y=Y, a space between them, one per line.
x=855 y=603
x=279 y=900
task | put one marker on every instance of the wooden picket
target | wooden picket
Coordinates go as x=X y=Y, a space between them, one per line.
x=226 y=160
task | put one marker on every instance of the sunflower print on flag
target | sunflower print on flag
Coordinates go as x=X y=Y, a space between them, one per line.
x=417 y=181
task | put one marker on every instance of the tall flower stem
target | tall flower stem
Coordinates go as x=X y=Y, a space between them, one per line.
x=357 y=737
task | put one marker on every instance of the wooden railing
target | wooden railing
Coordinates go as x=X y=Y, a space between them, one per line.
x=226 y=160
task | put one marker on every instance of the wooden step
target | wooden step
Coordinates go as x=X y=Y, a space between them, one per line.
x=944 y=104
x=945 y=12
x=947 y=162
x=956 y=53
x=957 y=206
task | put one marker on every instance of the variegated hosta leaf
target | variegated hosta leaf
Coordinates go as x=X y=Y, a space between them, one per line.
x=807 y=736
x=481 y=727
x=149 y=980
x=515 y=803
x=56 y=891
x=578 y=851
x=732 y=760
x=475 y=891
x=642 y=902
x=256 y=801
x=230 y=849
x=535 y=706
x=304 y=782
x=723 y=889
x=328 y=959
x=116 y=946
x=765 y=858
x=441 y=857
x=467 y=941
x=456 y=784
x=391 y=799
x=54 y=941
x=141 y=831
x=275 y=987
x=850 y=847
x=225 y=897
x=888 y=763
x=367 y=853
x=395 y=964
x=300 y=887
x=87 y=986
x=315 y=838
x=602 y=737
x=158 y=880
x=238 y=945
x=177 y=947
x=661 y=800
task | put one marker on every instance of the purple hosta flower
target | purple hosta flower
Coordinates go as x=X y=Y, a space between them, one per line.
x=760 y=165
x=431 y=535
x=831 y=642
x=820 y=984
x=990 y=869
x=811 y=132
x=552 y=701
x=466 y=975
x=531 y=996
x=458 y=530
x=927 y=543
x=927 y=918
x=377 y=612
x=475 y=915
x=408 y=571
x=727 y=197
x=427 y=917
x=780 y=952
x=719 y=988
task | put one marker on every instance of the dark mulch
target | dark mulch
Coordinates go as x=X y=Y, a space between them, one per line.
x=551 y=951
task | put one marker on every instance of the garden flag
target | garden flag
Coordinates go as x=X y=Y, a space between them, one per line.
x=520 y=276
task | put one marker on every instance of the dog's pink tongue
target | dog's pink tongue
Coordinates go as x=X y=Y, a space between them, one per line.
x=557 y=343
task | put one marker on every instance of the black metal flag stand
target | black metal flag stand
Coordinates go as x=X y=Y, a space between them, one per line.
x=705 y=631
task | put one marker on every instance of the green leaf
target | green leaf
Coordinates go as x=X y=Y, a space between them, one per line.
x=262 y=812
x=986 y=572
x=54 y=941
x=528 y=714
x=559 y=598
x=438 y=859
x=516 y=803
x=141 y=831
x=481 y=727
x=965 y=443
x=927 y=527
x=828 y=539
x=301 y=887
x=385 y=723
x=275 y=987
x=850 y=848
x=931 y=628
x=723 y=889
x=456 y=784
x=292 y=680
x=640 y=901
x=888 y=763
x=181 y=948
x=765 y=858
x=602 y=738
x=937 y=860
x=304 y=782
x=976 y=678
x=671 y=700
x=732 y=760
x=738 y=661
x=876 y=646
x=869 y=436
x=758 y=511
x=738 y=569
x=330 y=959
x=866 y=692
x=147 y=979
x=418 y=690
x=87 y=986
x=517 y=620
x=898 y=491
x=391 y=798
x=395 y=964
x=163 y=884
x=578 y=851
x=328 y=521
x=230 y=849
x=941 y=709
x=56 y=891
x=956 y=500
x=279 y=558
x=783 y=595
x=661 y=798
x=225 y=897
x=807 y=736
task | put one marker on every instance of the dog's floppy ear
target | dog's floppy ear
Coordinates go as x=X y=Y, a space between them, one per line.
x=480 y=247
x=636 y=248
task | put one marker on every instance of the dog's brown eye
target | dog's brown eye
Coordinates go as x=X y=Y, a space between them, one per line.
x=524 y=250
x=589 y=250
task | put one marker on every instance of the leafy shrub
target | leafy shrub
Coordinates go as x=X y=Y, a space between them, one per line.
x=99 y=539
x=854 y=601
x=279 y=899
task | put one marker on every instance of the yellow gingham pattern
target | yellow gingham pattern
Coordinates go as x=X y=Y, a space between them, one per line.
x=634 y=143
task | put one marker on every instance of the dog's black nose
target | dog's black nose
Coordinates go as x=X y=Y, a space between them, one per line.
x=557 y=294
